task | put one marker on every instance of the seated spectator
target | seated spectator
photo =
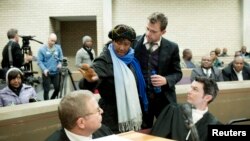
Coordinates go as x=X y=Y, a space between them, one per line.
x=237 y=53
x=207 y=69
x=217 y=51
x=216 y=62
x=224 y=53
x=186 y=61
x=244 y=52
x=236 y=71
x=189 y=121
x=80 y=117
x=16 y=92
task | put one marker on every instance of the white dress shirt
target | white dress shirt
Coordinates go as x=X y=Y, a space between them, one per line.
x=155 y=46
x=239 y=75
x=75 y=137
x=198 y=114
x=207 y=72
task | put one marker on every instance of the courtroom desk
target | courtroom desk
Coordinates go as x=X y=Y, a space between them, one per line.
x=136 y=136
x=232 y=102
x=29 y=122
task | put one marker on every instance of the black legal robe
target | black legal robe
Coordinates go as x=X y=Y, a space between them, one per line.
x=171 y=124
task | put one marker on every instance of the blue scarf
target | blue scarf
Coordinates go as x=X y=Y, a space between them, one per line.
x=130 y=59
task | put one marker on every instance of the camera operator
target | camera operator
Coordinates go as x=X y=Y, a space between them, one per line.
x=16 y=57
x=49 y=60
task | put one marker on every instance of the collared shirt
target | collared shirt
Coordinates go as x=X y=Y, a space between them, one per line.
x=239 y=75
x=198 y=114
x=156 y=46
x=75 y=137
x=207 y=72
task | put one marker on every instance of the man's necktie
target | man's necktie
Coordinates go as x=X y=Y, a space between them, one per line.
x=151 y=47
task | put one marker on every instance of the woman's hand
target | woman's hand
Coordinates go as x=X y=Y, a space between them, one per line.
x=88 y=73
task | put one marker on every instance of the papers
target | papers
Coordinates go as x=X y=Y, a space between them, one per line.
x=112 y=138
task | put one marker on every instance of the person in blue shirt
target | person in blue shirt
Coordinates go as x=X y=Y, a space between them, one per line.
x=49 y=60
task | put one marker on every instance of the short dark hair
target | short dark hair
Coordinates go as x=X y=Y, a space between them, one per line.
x=159 y=17
x=122 y=31
x=12 y=33
x=210 y=86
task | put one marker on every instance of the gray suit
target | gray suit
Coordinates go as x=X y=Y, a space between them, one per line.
x=215 y=74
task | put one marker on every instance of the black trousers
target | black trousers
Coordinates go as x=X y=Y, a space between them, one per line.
x=157 y=102
x=47 y=80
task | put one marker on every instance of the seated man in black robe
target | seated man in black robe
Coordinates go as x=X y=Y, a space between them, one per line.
x=189 y=121
x=80 y=117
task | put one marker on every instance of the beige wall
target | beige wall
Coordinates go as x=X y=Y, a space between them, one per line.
x=201 y=25
x=32 y=17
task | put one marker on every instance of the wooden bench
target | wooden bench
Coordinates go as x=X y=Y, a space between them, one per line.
x=29 y=122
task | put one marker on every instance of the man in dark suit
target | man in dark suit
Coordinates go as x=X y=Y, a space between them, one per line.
x=156 y=53
x=80 y=117
x=236 y=71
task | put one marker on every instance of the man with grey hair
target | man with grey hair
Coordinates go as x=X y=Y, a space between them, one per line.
x=80 y=117
x=12 y=50
x=85 y=54
x=49 y=60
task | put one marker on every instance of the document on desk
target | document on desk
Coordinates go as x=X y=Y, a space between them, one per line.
x=112 y=138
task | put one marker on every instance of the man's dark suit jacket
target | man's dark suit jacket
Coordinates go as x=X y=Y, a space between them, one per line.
x=60 y=135
x=169 y=64
x=230 y=75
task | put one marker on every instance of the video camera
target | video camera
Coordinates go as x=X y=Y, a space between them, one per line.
x=26 y=41
x=28 y=68
x=64 y=62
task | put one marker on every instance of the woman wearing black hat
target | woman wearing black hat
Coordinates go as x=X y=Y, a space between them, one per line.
x=118 y=77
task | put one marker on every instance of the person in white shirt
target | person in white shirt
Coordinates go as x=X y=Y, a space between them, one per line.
x=80 y=117
x=236 y=71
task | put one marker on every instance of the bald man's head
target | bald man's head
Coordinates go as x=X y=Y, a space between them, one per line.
x=238 y=63
x=52 y=39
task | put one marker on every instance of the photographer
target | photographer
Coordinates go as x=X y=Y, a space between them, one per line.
x=12 y=53
x=49 y=60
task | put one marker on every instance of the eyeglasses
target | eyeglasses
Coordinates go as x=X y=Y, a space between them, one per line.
x=99 y=110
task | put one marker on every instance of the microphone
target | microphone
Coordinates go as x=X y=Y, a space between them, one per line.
x=32 y=100
x=187 y=114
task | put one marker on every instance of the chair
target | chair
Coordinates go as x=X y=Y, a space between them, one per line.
x=239 y=120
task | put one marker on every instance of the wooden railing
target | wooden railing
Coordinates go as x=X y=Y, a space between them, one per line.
x=36 y=121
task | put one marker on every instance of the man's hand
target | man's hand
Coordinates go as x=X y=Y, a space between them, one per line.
x=88 y=73
x=158 y=80
x=27 y=58
x=59 y=66
x=45 y=72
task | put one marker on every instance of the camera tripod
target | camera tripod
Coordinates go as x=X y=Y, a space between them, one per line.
x=64 y=73
x=28 y=67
